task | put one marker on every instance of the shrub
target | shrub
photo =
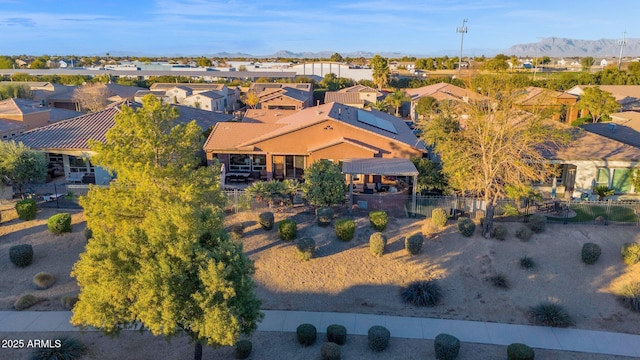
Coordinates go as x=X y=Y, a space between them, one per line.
x=59 y=223
x=527 y=263
x=330 y=351
x=68 y=301
x=26 y=209
x=630 y=253
x=590 y=253
x=324 y=215
x=306 y=247
x=413 y=243
x=377 y=243
x=466 y=226
x=88 y=233
x=21 y=255
x=629 y=296
x=44 y=280
x=287 y=229
x=337 y=334
x=499 y=281
x=266 y=220
x=524 y=233
x=422 y=293
x=307 y=334
x=345 y=229
x=446 y=347
x=537 y=223
x=518 y=351
x=500 y=232
x=549 y=314
x=378 y=338
x=69 y=349
x=439 y=216
x=26 y=301
x=243 y=349
x=237 y=231
x=378 y=219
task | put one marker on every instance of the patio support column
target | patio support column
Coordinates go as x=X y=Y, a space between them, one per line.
x=414 y=195
x=350 y=194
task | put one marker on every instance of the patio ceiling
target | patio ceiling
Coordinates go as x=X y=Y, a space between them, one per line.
x=379 y=166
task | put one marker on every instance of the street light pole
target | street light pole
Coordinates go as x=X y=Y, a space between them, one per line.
x=621 y=43
x=462 y=30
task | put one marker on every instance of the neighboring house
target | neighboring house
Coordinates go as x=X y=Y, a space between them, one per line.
x=357 y=96
x=207 y=100
x=283 y=146
x=535 y=99
x=48 y=93
x=289 y=96
x=441 y=92
x=20 y=115
x=66 y=142
x=628 y=96
x=177 y=93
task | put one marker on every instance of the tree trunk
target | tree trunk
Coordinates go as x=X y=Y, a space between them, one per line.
x=197 y=354
x=487 y=225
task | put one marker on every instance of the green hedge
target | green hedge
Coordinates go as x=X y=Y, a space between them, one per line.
x=59 y=223
x=26 y=209
x=345 y=229
x=378 y=219
x=287 y=229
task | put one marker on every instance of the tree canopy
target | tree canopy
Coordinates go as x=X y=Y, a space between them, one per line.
x=92 y=97
x=159 y=255
x=494 y=146
x=324 y=184
x=20 y=165
x=597 y=102
x=396 y=99
x=380 y=68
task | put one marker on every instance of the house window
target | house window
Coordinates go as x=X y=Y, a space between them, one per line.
x=618 y=179
x=259 y=162
x=80 y=164
x=239 y=162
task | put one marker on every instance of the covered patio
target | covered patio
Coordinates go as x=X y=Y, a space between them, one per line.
x=382 y=167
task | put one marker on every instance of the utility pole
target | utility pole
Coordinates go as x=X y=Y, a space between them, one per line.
x=462 y=30
x=621 y=43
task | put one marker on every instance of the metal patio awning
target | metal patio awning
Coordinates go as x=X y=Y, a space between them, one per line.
x=379 y=166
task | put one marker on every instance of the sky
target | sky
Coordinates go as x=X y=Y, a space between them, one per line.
x=200 y=27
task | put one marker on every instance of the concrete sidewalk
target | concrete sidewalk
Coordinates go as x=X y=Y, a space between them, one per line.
x=589 y=341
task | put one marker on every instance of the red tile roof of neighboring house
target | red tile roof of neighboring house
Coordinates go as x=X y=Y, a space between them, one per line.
x=590 y=146
x=347 y=98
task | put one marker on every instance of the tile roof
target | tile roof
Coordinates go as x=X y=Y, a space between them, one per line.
x=268 y=116
x=8 y=125
x=360 y=88
x=17 y=106
x=210 y=94
x=538 y=96
x=231 y=135
x=443 y=91
x=591 y=146
x=347 y=98
x=196 y=86
x=626 y=130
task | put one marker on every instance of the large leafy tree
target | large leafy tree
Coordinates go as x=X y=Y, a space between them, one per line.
x=495 y=145
x=587 y=62
x=597 y=102
x=20 y=165
x=430 y=176
x=159 y=256
x=6 y=62
x=251 y=99
x=380 y=71
x=324 y=184
x=92 y=97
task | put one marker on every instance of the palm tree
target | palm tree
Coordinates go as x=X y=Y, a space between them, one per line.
x=378 y=105
x=396 y=99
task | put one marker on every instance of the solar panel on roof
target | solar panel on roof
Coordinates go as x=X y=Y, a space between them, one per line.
x=370 y=119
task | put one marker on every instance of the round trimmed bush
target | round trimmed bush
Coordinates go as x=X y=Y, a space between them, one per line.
x=550 y=314
x=21 y=255
x=439 y=217
x=324 y=215
x=305 y=247
x=26 y=301
x=287 y=229
x=537 y=223
x=422 y=293
x=518 y=351
x=590 y=253
x=377 y=243
x=69 y=349
x=629 y=296
x=243 y=349
x=44 y=280
x=500 y=232
x=68 y=302
x=306 y=334
x=330 y=351
x=88 y=233
x=378 y=219
x=630 y=253
x=345 y=229
x=337 y=334
x=413 y=243
x=59 y=223
x=446 y=347
x=524 y=233
x=266 y=220
x=466 y=226
x=378 y=338
x=26 y=209
x=527 y=263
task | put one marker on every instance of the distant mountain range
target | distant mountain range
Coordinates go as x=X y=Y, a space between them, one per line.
x=560 y=47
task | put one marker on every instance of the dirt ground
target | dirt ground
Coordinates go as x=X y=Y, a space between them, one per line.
x=345 y=277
